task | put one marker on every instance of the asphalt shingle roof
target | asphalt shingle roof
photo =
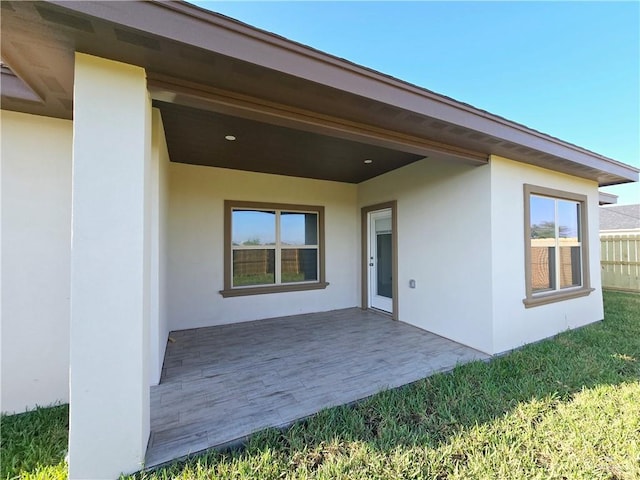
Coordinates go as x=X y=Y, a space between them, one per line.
x=620 y=217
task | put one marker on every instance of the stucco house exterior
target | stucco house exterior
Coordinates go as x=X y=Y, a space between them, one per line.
x=167 y=168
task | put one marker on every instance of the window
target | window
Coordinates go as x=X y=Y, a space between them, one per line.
x=272 y=248
x=556 y=250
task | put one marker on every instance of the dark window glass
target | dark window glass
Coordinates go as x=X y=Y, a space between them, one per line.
x=299 y=265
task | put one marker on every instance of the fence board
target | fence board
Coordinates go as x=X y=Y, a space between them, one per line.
x=620 y=262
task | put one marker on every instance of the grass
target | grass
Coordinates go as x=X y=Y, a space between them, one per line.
x=34 y=444
x=563 y=408
x=266 y=279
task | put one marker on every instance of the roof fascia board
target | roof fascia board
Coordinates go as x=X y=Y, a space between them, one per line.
x=607 y=198
x=191 y=25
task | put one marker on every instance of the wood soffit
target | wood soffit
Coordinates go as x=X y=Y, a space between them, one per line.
x=361 y=112
x=198 y=137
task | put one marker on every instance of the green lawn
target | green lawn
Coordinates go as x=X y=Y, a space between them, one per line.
x=266 y=279
x=34 y=444
x=563 y=408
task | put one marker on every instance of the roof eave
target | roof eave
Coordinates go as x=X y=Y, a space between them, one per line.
x=191 y=25
x=14 y=87
x=607 y=198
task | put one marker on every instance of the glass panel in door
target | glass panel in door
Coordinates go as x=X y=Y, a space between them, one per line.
x=383 y=273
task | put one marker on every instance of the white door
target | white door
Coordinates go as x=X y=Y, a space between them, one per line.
x=380 y=261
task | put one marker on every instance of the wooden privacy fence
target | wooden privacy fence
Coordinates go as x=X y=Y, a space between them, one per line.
x=296 y=264
x=543 y=272
x=620 y=261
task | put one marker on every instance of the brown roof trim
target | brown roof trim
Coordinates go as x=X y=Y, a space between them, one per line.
x=281 y=42
x=299 y=48
x=15 y=87
x=191 y=25
x=605 y=198
x=217 y=100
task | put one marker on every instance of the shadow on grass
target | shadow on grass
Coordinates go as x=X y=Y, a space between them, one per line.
x=435 y=411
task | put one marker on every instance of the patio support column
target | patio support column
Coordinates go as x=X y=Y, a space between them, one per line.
x=110 y=261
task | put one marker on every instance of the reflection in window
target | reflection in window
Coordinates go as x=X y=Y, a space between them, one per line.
x=254 y=267
x=569 y=242
x=251 y=227
x=299 y=228
x=556 y=248
x=299 y=265
x=273 y=247
x=543 y=233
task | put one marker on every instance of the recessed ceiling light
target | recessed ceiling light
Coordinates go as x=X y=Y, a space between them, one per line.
x=368 y=161
x=231 y=138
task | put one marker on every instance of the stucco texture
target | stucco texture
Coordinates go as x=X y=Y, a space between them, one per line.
x=36 y=236
x=195 y=245
x=513 y=324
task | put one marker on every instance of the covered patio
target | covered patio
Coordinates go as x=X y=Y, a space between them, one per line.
x=220 y=384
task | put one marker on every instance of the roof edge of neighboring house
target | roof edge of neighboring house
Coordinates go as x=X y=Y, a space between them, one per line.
x=607 y=198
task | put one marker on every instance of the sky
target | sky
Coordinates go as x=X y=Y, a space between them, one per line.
x=568 y=69
x=260 y=227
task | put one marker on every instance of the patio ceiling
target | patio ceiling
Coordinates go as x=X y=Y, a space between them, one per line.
x=198 y=137
x=201 y=60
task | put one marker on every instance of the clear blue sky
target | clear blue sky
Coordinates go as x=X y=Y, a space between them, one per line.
x=569 y=69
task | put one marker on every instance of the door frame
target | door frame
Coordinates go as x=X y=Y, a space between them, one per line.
x=364 y=248
x=378 y=301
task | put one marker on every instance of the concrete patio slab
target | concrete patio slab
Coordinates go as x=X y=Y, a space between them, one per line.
x=221 y=384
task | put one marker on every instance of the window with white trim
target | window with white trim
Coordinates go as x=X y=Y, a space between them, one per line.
x=272 y=247
x=556 y=245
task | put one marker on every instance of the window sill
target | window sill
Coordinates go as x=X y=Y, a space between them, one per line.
x=241 y=292
x=553 y=297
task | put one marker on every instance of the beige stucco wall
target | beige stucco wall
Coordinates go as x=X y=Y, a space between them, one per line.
x=36 y=233
x=444 y=243
x=448 y=212
x=159 y=191
x=515 y=325
x=109 y=418
x=195 y=245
